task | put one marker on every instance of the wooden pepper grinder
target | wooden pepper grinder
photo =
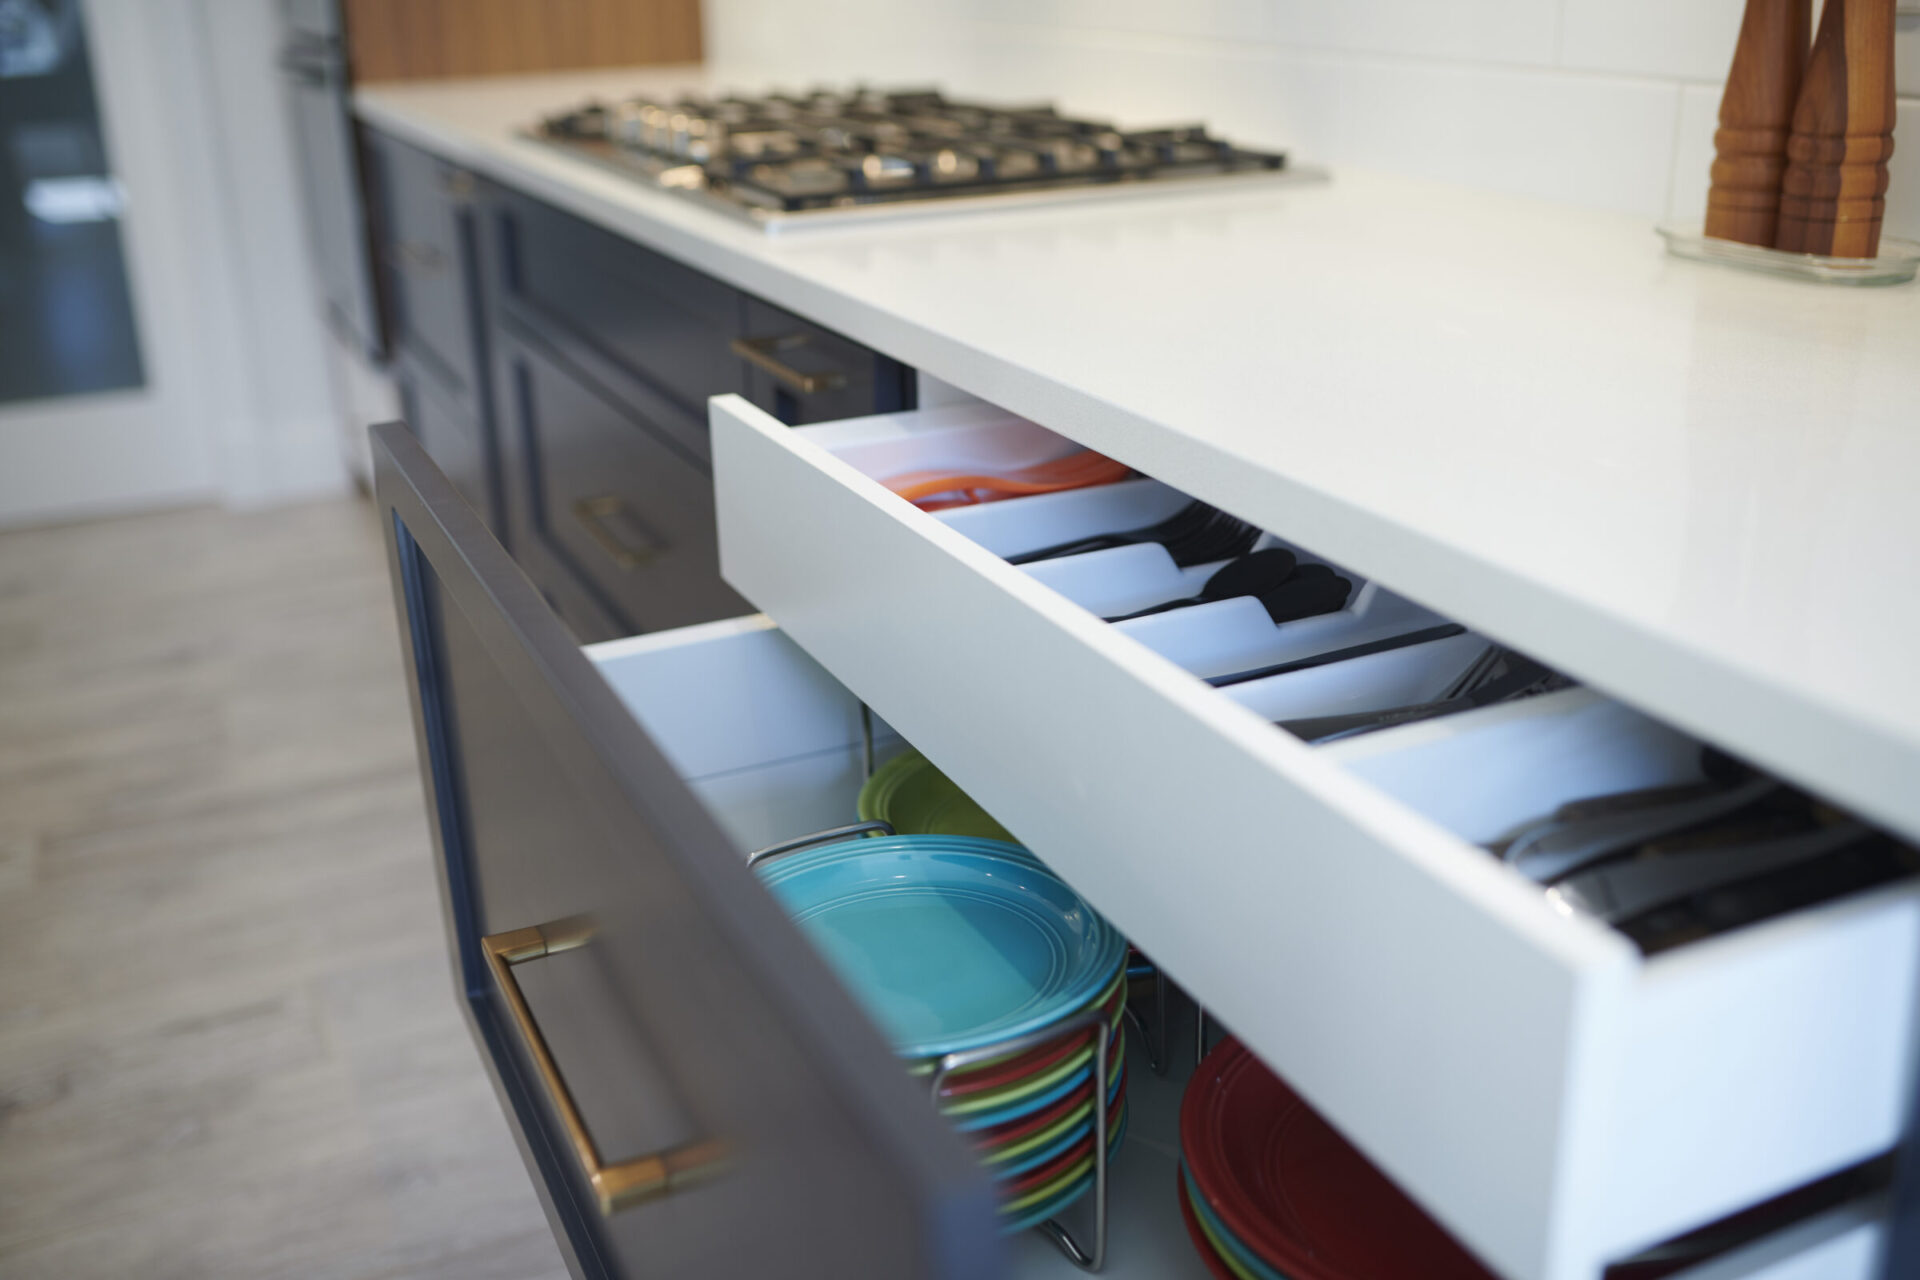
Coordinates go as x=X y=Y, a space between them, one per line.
x=1756 y=114
x=1834 y=192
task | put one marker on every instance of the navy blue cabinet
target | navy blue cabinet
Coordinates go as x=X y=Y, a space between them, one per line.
x=426 y=215
x=558 y=375
x=692 y=1090
x=613 y=502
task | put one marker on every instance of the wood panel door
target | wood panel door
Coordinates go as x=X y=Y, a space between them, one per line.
x=424 y=39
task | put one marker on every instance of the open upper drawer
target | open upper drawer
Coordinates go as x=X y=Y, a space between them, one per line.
x=1553 y=1095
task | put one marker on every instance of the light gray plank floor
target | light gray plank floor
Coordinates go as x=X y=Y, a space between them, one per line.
x=228 y=1042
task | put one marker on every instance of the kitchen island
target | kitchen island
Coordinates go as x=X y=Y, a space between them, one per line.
x=1682 y=485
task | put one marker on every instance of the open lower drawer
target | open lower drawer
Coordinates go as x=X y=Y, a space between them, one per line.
x=693 y=1092
x=774 y=748
x=1553 y=1095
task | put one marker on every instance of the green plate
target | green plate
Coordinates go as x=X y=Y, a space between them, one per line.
x=1070 y=1070
x=1117 y=1130
x=919 y=800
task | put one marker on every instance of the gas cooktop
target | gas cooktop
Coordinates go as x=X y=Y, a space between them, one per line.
x=778 y=158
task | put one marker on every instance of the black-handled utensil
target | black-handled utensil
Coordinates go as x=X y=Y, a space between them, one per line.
x=1250 y=575
x=1442 y=632
x=1479 y=688
x=1619 y=891
x=1195 y=534
x=1561 y=847
x=1313 y=589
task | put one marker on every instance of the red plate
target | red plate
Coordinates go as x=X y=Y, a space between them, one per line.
x=987 y=1139
x=1297 y=1193
x=1201 y=1245
x=1043 y=1174
x=1047 y=1172
x=1116 y=1064
x=1032 y=1062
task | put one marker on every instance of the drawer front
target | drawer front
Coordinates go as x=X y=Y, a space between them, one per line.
x=1550 y=1095
x=801 y=373
x=455 y=438
x=428 y=251
x=663 y=324
x=642 y=1003
x=609 y=496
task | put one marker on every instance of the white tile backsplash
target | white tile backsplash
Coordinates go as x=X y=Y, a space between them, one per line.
x=1603 y=103
x=1903 y=194
x=1684 y=39
x=1693 y=152
x=1675 y=39
x=1230 y=20
x=1906 y=54
x=1516 y=31
x=1598 y=141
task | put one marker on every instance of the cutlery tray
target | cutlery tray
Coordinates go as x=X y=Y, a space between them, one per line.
x=1553 y=1096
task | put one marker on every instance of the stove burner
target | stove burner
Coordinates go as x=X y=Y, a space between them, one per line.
x=784 y=154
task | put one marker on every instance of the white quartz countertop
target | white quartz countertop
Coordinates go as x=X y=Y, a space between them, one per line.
x=1693 y=487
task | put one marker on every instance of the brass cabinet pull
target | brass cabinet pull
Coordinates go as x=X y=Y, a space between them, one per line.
x=615 y=1186
x=759 y=352
x=456 y=184
x=417 y=255
x=596 y=515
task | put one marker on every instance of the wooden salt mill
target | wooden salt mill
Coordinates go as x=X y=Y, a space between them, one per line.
x=1834 y=192
x=1756 y=114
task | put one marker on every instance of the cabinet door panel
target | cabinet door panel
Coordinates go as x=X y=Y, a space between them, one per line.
x=454 y=437
x=609 y=496
x=428 y=250
x=662 y=323
x=678 y=1006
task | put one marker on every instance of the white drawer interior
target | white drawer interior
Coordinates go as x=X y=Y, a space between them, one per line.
x=767 y=739
x=1553 y=1096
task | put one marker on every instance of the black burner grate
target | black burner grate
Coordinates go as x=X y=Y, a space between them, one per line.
x=790 y=154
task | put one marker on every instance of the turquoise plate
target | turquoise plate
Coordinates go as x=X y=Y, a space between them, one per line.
x=951 y=942
x=1217 y=1230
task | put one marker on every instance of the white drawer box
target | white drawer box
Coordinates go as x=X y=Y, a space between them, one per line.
x=1550 y=1094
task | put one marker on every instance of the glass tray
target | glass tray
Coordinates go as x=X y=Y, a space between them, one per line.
x=1898 y=259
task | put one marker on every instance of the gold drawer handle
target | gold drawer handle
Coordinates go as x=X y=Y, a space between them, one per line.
x=597 y=514
x=615 y=1186
x=418 y=255
x=759 y=352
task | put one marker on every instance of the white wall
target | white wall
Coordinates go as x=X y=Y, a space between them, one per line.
x=1606 y=103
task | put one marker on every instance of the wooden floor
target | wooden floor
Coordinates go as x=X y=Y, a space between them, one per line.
x=228 y=1041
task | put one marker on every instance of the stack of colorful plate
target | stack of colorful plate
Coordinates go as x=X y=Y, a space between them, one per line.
x=956 y=944
x=914 y=798
x=1271 y=1192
